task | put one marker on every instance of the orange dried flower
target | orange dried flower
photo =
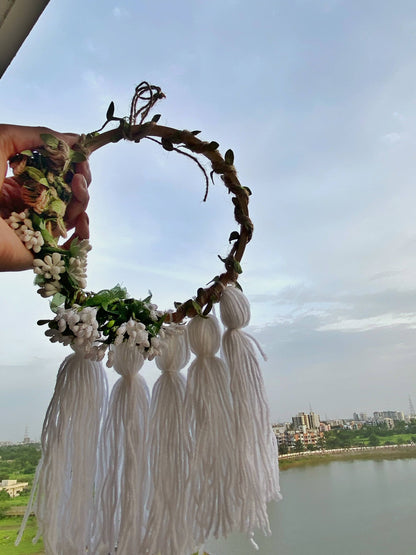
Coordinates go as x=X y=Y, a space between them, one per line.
x=36 y=196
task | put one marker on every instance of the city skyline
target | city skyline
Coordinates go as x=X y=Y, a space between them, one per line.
x=35 y=437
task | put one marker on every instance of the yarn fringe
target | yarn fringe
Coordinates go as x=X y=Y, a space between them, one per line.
x=167 y=530
x=63 y=492
x=123 y=470
x=134 y=475
x=208 y=405
x=256 y=452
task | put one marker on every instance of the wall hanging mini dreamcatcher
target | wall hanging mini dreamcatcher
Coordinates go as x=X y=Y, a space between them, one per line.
x=134 y=473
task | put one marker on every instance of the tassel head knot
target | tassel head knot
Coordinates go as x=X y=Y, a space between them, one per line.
x=204 y=335
x=234 y=308
x=174 y=352
x=127 y=360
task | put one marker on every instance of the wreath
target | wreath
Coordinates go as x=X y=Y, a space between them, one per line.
x=130 y=473
x=94 y=321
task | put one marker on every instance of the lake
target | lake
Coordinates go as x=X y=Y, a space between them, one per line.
x=357 y=507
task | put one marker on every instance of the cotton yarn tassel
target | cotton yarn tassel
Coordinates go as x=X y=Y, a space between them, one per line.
x=121 y=500
x=209 y=408
x=65 y=478
x=256 y=449
x=169 y=458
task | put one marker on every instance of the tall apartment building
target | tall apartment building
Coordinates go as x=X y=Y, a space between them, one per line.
x=311 y=421
x=393 y=414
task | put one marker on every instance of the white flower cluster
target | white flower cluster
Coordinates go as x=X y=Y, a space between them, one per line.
x=50 y=268
x=77 y=267
x=135 y=335
x=23 y=227
x=79 y=328
x=82 y=325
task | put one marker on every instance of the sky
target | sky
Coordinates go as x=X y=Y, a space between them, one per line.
x=317 y=99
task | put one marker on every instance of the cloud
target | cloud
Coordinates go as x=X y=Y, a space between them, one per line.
x=339 y=354
x=119 y=12
x=391 y=138
x=365 y=324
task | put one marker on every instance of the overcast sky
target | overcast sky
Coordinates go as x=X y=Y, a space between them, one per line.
x=317 y=99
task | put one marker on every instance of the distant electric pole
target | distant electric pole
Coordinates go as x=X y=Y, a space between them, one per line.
x=26 y=438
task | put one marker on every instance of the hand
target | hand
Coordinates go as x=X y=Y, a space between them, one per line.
x=14 y=139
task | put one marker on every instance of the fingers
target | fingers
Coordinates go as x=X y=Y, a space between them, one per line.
x=10 y=198
x=84 y=169
x=82 y=230
x=79 y=202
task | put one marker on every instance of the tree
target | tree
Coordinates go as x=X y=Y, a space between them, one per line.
x=373 y=440
x=321 y=443
x=299 y=446
x=283 y=449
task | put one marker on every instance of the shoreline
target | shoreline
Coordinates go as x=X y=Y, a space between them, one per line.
x=323 y=456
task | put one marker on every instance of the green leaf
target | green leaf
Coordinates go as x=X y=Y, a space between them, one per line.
x=37 y=221
x=49 y=140
x=57 y=300
x=229 y=157
x=27 y=152
x=248 y=191
x=77 y=157
x=213 y=145
x=74 y=247
x=107 y=296
x=195 y=133
x=42 y=322
x=36 y=175
x=237 y=266
x=197 y=307
x=57 y=206
x=47 y=237
x=39 y=280
x=234 y=236
x=156 y=118
x=215 y=279
x=110 y=111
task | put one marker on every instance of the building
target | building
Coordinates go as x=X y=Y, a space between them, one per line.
x=360 y=417
x=13 y=487
x=311 y=420
x=392 y=414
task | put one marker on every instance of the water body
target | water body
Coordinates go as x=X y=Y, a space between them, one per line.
x=357 y=507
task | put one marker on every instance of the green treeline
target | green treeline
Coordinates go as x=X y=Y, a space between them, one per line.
x=19 y=461
x=371 y=436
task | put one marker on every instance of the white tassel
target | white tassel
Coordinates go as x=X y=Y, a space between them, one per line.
x=169 y=459
x=209 y=407
x=121 y=500
x=256 y=449
x=65 y=479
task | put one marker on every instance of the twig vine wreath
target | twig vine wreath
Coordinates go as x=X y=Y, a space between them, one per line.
x=93 y=321
x=133 y=473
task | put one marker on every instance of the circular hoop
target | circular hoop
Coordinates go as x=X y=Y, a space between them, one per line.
x=96 y=320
